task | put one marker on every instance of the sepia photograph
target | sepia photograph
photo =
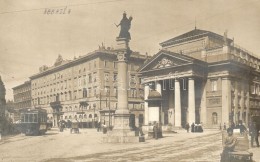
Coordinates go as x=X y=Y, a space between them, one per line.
x=129 y=80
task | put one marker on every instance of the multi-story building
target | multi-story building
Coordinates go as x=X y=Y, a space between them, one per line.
x=201 y=76
x=22 y=95
x=2 y=98
x=22 y=98
x=82 y=88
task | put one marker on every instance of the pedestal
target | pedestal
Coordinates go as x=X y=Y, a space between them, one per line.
x=121 y=132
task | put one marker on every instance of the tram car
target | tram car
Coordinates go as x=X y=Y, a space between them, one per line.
x=33 y=121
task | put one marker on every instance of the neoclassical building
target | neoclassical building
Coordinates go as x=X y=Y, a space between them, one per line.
x=22 y=95
x=201 y=77
x=86 y=88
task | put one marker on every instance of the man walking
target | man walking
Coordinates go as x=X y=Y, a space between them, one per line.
x=187 y=126
x=254 y=133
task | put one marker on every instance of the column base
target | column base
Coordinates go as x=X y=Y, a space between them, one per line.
x=121 y=132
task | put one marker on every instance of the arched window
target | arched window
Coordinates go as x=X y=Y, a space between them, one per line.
x=90 y=115
x=214 y=118
x=85 y=116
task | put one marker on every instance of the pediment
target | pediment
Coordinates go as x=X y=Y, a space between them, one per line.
x=166 y=59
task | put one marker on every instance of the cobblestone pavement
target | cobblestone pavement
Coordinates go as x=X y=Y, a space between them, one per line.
x=205 y=148
x=87 y=146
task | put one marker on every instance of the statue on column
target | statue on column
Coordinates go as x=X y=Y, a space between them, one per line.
x=125 y=24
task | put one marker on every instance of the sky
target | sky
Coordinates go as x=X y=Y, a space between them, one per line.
x=29 y=38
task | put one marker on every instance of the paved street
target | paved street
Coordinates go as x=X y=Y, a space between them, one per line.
x=87 y=146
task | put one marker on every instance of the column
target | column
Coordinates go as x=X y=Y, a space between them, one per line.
x=226 y=100
x=146 y=111
x=177 y=104
x=191 y=104
x=203 y=110
x=242 y=103
x=122 y=86
x=158 y=87
x=247 y=103
x=171 y=107
x=235 y=117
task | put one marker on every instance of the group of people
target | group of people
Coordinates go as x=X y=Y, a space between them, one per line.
x=194 y=127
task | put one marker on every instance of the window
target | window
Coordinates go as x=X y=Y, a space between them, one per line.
x=85 y=93
x=132 y=79
x=133 y=92
x=115 y=77
x=213 y=85
x=107 y=91
x=95 y=77
x=106 y=75
x=89 y=78
x=95 y=91
x=105 y=63
x=115 y=65
x=214 y=118
x=115 y=91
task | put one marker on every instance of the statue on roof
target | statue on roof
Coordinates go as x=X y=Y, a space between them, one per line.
x=125 y=24
x=58 y=61
x=225 y=38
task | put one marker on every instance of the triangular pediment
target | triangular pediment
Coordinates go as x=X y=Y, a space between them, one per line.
x=166 y=59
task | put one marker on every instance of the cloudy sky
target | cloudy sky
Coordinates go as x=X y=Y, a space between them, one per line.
x=29 y=38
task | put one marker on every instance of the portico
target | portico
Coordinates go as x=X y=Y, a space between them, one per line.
x=178 y=79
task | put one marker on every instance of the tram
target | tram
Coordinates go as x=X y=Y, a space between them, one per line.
x=33 y=121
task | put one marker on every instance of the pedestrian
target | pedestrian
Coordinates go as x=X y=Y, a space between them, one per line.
x=229 y=145
x=141 y=130
x=104 y=129
x=98 y=126
x=155 y=130
x=224 y=127
x=254 y=133
x=192 y=127
x=187 y=127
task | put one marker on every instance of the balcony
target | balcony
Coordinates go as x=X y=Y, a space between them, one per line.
x=55 y=104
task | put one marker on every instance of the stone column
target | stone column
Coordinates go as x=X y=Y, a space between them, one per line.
x=177 y=104
x=226 y=100
x=158 y=87
x=203 y=110
x=191 y=104
x=247 y=104
x=171 y=107
x=146 y=111
x=122 y=85
x=242 y=103
x=235 y=117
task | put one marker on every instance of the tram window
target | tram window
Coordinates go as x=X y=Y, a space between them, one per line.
x=22 y=118
x=30 y=118
x=26 y=118
x=35 y=118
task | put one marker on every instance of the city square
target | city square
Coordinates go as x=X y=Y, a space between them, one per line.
x=75 y=86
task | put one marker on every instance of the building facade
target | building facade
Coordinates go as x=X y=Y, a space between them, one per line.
x=22 y=95
x=201 y=77
x=82 y=88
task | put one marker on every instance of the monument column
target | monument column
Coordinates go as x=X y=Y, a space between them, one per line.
x=146 y=110
x=177 y=104
x=121 y=132
x=191 y=104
